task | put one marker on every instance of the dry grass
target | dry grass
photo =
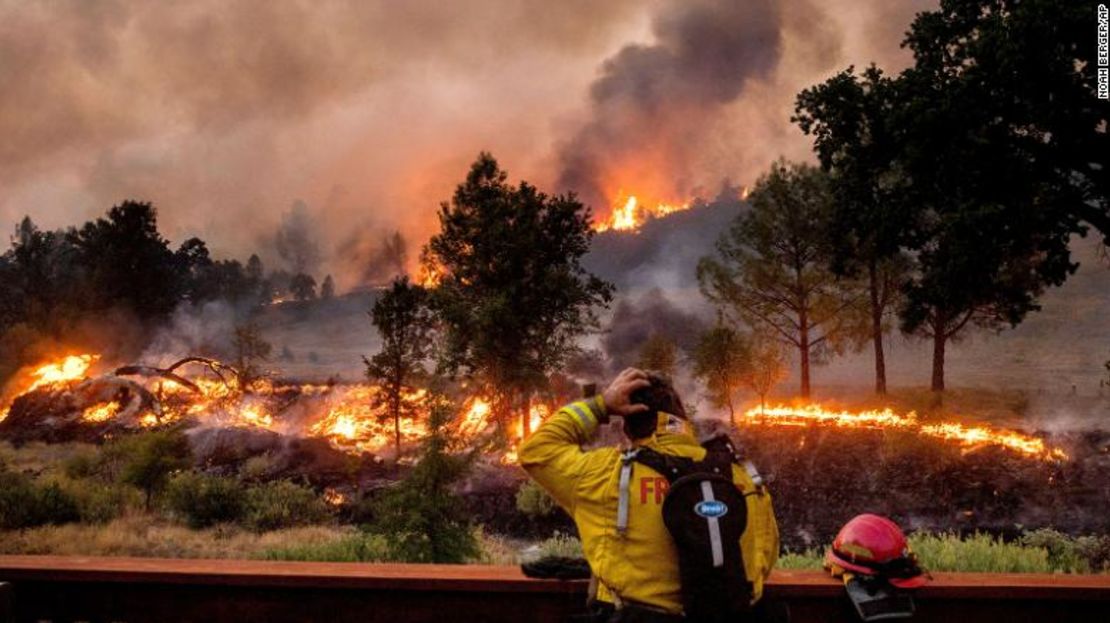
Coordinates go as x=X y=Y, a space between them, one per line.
x=148 y=536
x=38 y=457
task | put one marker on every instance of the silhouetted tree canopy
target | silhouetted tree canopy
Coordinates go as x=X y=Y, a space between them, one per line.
x=851 y=121
x=512 y=295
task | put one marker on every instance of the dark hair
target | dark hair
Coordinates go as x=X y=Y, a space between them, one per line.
x=660 y=396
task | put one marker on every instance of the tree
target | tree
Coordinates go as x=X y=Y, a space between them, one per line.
x=148 y=460
x=766 y=368
x=1027 y=72
x=404 y=322
x=327 y=290
x=850 y=119
x=659 y=353
x=772 y=267
x=721 y=360
x=302 y=287
x=997 y=175
x=512 y=297
x=251 y=349
x=422 y=517
x=125 y=262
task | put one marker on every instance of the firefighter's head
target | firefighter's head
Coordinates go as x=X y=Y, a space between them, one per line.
x=660 y=397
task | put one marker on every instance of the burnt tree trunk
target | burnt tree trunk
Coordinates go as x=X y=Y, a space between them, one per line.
x=803 y=352
x=940 y=337
x=877 y=330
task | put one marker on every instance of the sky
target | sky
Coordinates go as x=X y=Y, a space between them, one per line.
x=369 y=112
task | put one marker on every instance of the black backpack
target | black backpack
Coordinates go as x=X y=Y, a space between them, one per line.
x=706 y=514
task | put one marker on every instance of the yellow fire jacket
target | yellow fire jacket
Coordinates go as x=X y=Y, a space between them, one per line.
x=640 y=565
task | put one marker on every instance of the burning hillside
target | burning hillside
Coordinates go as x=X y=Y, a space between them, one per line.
x=60 y=401
x=966 y=436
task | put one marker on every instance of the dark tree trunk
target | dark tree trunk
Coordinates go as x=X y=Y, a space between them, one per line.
x=940 y=337
x=803 y=351
x=877 y=330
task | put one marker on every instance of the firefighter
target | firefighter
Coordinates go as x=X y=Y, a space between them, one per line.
x=617 y=503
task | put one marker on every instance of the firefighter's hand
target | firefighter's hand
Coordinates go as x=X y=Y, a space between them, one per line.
x=618 y=396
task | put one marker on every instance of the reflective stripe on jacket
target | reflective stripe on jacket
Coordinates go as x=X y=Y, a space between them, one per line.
x=640 y=565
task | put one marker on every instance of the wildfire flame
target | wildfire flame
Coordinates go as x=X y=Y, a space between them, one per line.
x=630 y=214
x=100 y=413
x=68 y=369
x=353 y=417
x=966 y=436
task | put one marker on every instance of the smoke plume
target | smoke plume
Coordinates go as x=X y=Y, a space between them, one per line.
x=223 y=113
x=650 y=105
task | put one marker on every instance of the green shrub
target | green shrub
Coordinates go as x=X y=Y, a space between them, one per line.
x=203 y=500
x=979 y=553
x=81 y=465
x=533 y=501
x=422 y=519
x=101 y=502
x=17 y=500
x=562 y=545
x=807 y=559
x=55 y=505
x=25 y=503
x=283 y=504
x=1061 y=550
x=362 y=547
x=147 y=460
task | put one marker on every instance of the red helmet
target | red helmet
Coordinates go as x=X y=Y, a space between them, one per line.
x=875 y=546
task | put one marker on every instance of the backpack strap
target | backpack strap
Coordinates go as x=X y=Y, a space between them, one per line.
x=722 y=449
x=627 y=459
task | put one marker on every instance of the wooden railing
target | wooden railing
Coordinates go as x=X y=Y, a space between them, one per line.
x=133 y=590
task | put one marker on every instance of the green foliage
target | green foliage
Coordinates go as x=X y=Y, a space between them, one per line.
x=25 y=503
x=1080 y=554
x=1040 y=551
x=404 y=322
x=147 y=460
x=772 y=267
x=361 y=547
x=421 y=517
x=561 y=545
x=203 y=500
x=979 y=553
x=100 y=502
x=81 y=465
x=282 y=504
x=722 y=358
x=533 y=501
x=512 y=296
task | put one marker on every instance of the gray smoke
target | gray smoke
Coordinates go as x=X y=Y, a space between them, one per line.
x=635 y=320
x=653 y=102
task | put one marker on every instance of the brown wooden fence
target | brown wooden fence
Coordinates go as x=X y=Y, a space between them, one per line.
x=134 y=590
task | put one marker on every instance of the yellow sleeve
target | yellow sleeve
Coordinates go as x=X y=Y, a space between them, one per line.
x=553 y=455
